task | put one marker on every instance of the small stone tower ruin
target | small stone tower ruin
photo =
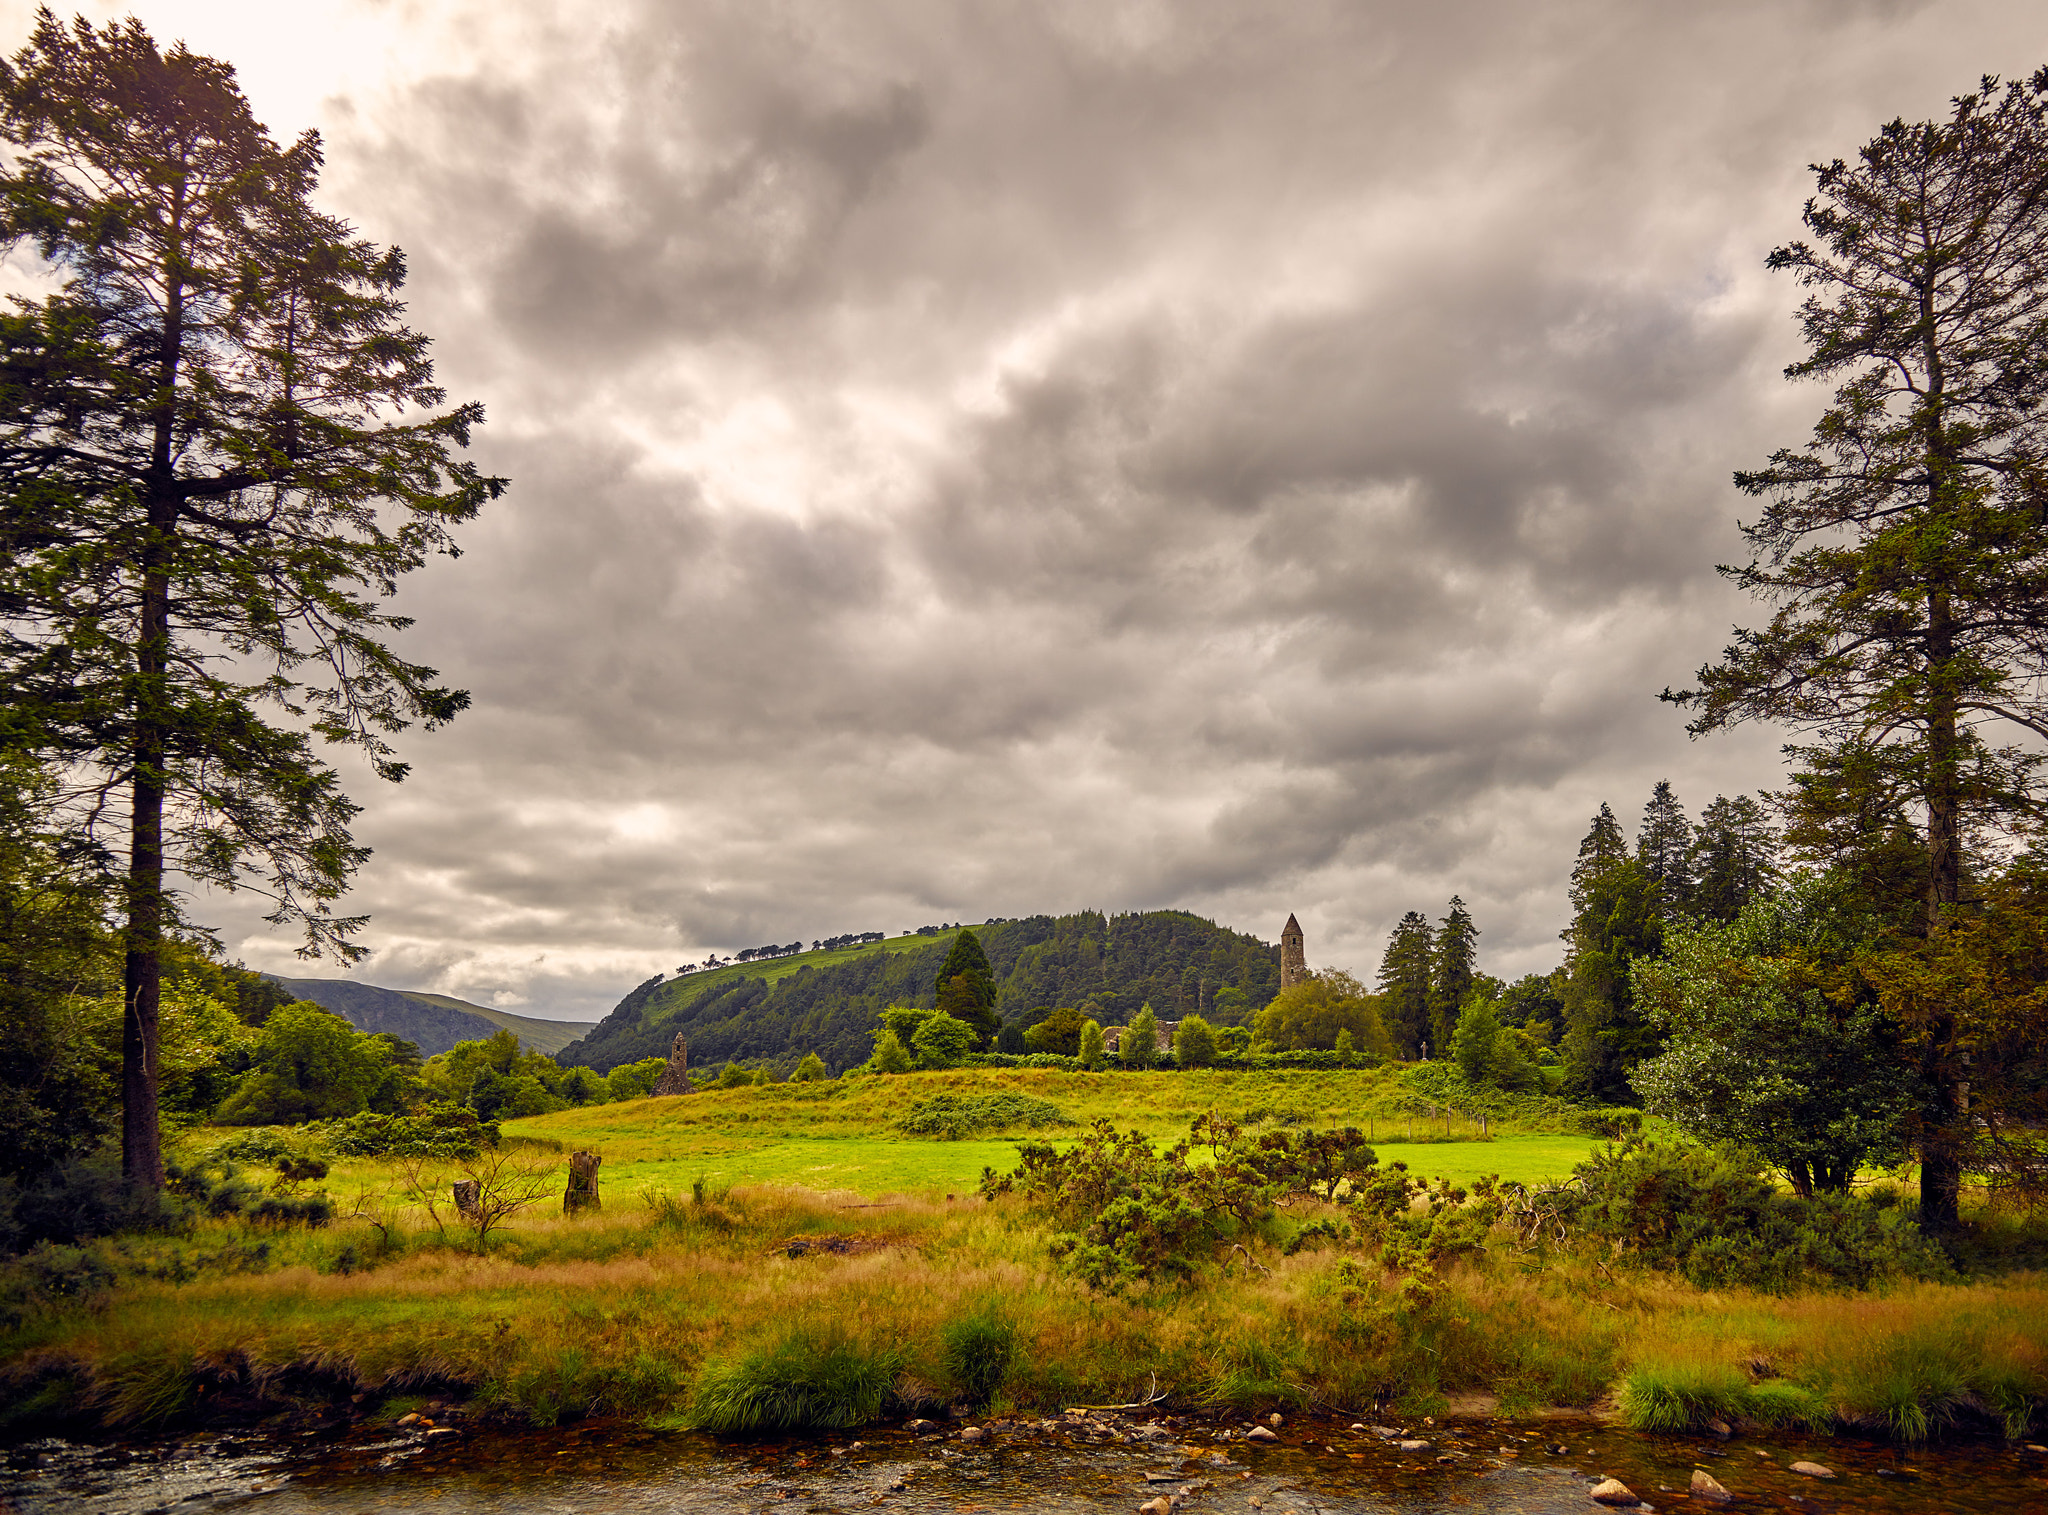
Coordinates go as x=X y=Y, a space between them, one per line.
x=1293 y=960
x=675 y=1078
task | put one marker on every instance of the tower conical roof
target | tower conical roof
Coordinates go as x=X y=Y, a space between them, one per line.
x=1293 y=926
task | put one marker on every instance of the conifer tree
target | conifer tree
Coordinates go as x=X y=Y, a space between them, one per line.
x=219 y=447
x=1734 y=854
x=1453 y=955
x=1664 y=844
x=1404 y=983
x=966 y=988
x=1614 y=922
x=1904 y=548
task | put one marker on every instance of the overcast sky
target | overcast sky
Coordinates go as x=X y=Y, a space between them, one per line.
x=971 y=460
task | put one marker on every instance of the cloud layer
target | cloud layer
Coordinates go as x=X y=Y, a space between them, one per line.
x=972 y=460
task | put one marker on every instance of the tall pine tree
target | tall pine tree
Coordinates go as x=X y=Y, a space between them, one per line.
x=1404 y=980
x=221 y=446
x=1903 y=548
x=1734 y=857
x=1614 y=921
x=1664 y=845
x=1453 y=956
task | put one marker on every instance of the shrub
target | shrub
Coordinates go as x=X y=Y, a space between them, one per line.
x=81 y=1199
x=1139 y=1047
x=810 y=1380
x=891 y=1056
x=438 y=1131
x=955 y=1117
x=979 y=1349
x=810 y=1071
x=942 y=1042
x=1091 y=1046
x=1711 y=1216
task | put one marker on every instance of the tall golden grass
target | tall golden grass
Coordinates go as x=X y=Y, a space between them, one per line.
x=621 y=1311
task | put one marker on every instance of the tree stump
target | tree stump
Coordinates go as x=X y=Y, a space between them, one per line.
x=469 y=1197
x=582 y=1191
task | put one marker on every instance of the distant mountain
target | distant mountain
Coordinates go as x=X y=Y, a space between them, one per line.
x=826 y=1002
x=435 y=1022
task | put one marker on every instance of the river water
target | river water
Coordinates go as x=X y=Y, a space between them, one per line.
x=1537 y=1467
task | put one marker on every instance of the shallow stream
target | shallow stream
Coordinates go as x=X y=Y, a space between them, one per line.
x=1532 y=1467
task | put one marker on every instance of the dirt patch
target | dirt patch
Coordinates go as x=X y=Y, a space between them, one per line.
x=833 y=1245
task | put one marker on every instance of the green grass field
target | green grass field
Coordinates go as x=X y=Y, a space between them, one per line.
x=840 y=1136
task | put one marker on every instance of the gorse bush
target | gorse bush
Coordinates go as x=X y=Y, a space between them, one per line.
x=808 y=1380
x=1130 y=1213
x=955 y=1117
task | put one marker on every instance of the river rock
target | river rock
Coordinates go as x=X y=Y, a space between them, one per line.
x=1412 y=1445
x=1721 y=1428
x=973 y=1433
x=1163 y=1505
x=1813 y=1470
x=1273 y=1420
x=919 y=1427
x=1260 y=1433
x=1706 y=1486
x=1612 y=1491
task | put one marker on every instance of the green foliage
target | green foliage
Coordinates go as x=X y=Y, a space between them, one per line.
x=1758 y=1053
x=1709 y=1216
x=311 y=1065
x=1476 y=1040
x=1616 y=920
x=1129 y=1213
x=942 y=1042
x=1404 y=985
x=966 y=989
x=1139 y=1046
x=979 y=1350
x=890 y=1055
x=956 y=1117
x=59 y=981
x=1453 y=953
x=1679 y=1398
x=1194 y=1043
x=1058 y=1032
x=437 y=1131
x=809 y=1380
x=249 y=489
x=1090 y=1051
x=1734 y=857
x=634 y=1080
x=810 y=1071
x=1312 y=1014
x=733 y=1076
x=1664 y=848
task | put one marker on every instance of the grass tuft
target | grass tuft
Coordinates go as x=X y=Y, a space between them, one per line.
x=809 y=1380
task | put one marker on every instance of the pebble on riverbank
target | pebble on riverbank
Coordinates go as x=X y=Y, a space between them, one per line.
x=1813 y=1470
x=1613 y=1492
x=1706 y=1486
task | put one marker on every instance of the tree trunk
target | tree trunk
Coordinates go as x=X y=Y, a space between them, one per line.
x=582 y=1191
x=1942 y=1132
x=142 y=975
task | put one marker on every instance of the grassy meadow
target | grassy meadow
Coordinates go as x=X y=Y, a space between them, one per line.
x=793 y=1219
x=842 y=1134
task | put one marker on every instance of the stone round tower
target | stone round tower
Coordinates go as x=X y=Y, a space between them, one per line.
x=1293 y=960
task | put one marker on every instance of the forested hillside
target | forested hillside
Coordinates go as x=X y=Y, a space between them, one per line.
x=826 y=1002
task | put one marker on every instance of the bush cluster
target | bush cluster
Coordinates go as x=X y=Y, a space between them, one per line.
x=1711 y=1216
x=437 y=1131
x=956 y=1117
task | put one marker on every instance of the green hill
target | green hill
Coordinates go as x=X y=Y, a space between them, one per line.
x=826 y=1002
x=433 y=1022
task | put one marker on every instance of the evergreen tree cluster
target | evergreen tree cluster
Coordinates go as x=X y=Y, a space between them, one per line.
x=1424 y=978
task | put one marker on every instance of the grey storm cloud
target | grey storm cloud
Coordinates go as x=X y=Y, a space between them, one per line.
x=978 y=459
